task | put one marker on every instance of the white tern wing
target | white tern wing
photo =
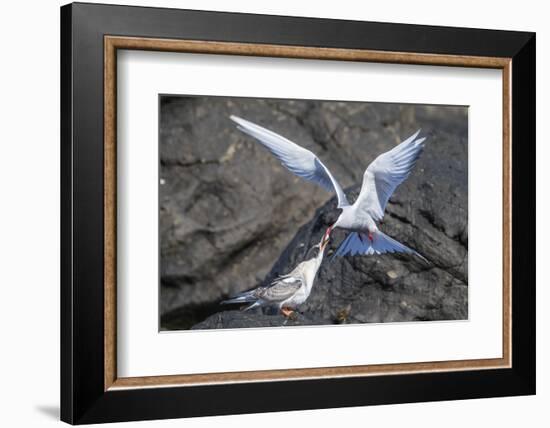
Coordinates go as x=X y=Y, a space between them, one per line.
x=295 y=158
x=385 y=173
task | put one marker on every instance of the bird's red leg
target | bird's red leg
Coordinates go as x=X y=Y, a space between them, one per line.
x=287 y=312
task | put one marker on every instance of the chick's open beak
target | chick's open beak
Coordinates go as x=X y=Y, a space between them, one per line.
x=324 y=242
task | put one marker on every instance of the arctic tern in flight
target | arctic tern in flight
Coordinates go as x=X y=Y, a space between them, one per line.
x=380 y=180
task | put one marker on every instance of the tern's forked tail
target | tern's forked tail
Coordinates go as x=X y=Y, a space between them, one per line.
x=359 y=243
x=244 y=297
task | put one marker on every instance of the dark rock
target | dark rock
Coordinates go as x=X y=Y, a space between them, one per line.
x=228 y=211
x=389 y=288
x=256 y=318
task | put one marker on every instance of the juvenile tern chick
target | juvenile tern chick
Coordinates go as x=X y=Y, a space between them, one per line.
x=288 y=291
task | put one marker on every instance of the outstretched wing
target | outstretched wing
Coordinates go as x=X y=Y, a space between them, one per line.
x=295 y=158
x=282 y=289
x=385 y=173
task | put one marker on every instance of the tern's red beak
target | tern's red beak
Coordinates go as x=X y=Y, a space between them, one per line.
x=326 y=238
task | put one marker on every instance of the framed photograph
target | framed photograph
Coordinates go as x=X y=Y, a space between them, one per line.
x=266 y=213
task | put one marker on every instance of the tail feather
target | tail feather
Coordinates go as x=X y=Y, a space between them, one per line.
x=253 y=305
x=357 y=244
x=244 y=297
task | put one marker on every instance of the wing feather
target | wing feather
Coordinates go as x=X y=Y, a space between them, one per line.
x=282 y=290
x=295 y=158
x=385 y=173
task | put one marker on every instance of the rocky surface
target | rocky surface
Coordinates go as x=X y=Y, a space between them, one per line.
x=232 y=218
x=240 y=319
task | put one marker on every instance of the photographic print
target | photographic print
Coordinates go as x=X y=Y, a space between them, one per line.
x=260 y=193
x=282 y=213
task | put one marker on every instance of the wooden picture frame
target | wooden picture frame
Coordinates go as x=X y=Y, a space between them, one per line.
x=91 y=390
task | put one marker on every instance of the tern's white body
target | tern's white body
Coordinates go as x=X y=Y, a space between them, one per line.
x=354 y=218
x=286 y=291
x=305 y=272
